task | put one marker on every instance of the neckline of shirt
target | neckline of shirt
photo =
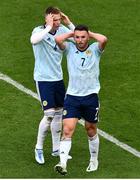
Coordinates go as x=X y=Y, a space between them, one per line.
x=52 y=33
x=82 y=50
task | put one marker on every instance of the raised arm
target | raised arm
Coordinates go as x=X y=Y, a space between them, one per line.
x=61 y=38
x=38 y=36
x=100 y=38
x=67 y=21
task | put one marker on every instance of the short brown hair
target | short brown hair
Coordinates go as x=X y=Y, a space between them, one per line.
x=81 y=27
x=53 y=10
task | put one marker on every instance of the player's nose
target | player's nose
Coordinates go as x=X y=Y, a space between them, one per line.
x=80 y=39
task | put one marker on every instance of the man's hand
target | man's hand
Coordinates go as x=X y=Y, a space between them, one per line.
x=49 y=20
x=65 y=19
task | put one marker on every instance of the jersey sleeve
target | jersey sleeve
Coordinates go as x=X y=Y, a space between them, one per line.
x=98 y=51
x=37 y=29
x=66 y=47
x=39 y=34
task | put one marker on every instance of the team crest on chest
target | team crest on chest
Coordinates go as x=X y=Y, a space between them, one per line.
x=88 y=52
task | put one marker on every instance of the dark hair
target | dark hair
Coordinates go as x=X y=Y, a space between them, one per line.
x=81 y=27
x=53 y=10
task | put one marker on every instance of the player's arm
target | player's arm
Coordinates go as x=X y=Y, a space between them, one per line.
x=100 y=38
x=67 y=22
x=38 y=36
x=61 y=38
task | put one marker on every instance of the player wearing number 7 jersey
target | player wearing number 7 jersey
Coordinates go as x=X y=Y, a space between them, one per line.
x=81 y=99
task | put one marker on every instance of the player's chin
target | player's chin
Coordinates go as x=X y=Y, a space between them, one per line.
x=56 y=28
x=81 y=45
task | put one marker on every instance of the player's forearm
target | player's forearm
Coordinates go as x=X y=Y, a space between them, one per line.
x=37 y=37
x=71 y=26
x=100 y=38
x=61 y=38
x=67 y=21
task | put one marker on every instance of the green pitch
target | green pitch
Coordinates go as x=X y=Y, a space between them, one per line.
x=119 y=116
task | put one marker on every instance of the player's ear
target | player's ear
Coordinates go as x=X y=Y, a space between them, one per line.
x=88 y=36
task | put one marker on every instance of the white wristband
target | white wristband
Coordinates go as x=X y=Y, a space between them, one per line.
x=71 y=26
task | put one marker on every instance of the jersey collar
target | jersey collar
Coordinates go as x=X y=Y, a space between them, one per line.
x=82 y=50
x=52 y=33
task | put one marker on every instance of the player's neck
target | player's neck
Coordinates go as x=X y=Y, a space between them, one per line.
x=53 y=31
x=82 y=48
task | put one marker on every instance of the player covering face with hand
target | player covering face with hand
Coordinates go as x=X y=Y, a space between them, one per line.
x=49 y=77
x=81 y=99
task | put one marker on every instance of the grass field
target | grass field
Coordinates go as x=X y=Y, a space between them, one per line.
x=120 y=98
